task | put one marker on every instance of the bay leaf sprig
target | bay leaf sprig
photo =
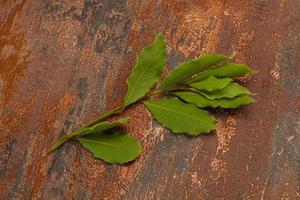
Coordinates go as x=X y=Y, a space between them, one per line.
x=176 y=102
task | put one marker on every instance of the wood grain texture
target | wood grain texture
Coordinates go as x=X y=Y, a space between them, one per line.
x=64 y=62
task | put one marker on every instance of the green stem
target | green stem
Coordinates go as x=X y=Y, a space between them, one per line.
x=115 y=111
x=69 y=136
x=159 y=92
x=59 y=142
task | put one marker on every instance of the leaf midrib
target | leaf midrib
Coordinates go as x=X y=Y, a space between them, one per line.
x=103 y=143
x=170 y=79
x=138 y=80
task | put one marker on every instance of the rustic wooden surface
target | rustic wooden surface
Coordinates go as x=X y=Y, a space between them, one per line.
x=64 y=62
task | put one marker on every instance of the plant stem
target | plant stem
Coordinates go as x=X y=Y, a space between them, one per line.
x=159 y=92
x=59 y=142
x=69 y=136
x=102 y=117
x=114 y=111
x=153 y=93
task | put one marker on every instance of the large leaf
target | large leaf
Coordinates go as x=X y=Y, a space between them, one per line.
x=112 y=148
x=203 y=102
x=231 y=70
x=211 y=84
x=101 y=126
x=180 y=117
x=150 y=65
x=189 y=68
x=230 y=91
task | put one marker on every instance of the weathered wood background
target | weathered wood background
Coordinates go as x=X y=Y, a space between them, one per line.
x=64 y=62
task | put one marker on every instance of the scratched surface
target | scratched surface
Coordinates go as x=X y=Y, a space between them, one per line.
x=64 y=62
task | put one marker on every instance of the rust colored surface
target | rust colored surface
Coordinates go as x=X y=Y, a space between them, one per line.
x=64 y=62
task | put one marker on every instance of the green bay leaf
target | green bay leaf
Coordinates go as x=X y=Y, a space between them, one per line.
x=181 y=117
x=101 y=126
x=113 y=148
x=211 y=83
x=236 y=102
x=191 y=67
x=202 y=102
x=149 y=67
x=231 y=70
x=196 y=99
x=230 y=91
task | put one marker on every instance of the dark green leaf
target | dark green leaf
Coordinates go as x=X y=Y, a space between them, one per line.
x=211 y=84
x=231 y=70
x=150 y=65
x=196 y=99
x=101 y=126
x=112 y=148
x=189 y=68
x=180 y=117
x=203 y=102
x=230 y=91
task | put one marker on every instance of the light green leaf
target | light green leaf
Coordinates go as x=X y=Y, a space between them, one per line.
x=189 y=68
x=180 y=117
x=230 y=91
x=203 y=102
x=231 y=70
x=236 y=102
x=101 y=126
x=112 y=148
x=211 y=84
x=149 y=67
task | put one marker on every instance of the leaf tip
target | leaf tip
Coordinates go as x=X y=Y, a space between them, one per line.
x=253 y=72
x=252 y=100
x=233 y=54
x=124 y=120
x=159 y=35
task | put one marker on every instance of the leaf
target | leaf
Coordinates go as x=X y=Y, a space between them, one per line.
x=101 y=126
x=230 y=91
x=211 y=84
x=191 y=67
x=180 y=117
x=112 y=148
x=236 y=102
x=149 y=67
x=203 y=102
x=196 y=99
x=231 y=70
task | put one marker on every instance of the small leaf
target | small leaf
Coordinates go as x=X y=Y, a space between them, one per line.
x=149 y=67
x=189 y=68
x=112 y=148
x=230 y=91
x=196 y=99
x=231 y=70
x=203 y=102
x=211 y=84
x=236 y=102
x=101 y=126
x=180 y=117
